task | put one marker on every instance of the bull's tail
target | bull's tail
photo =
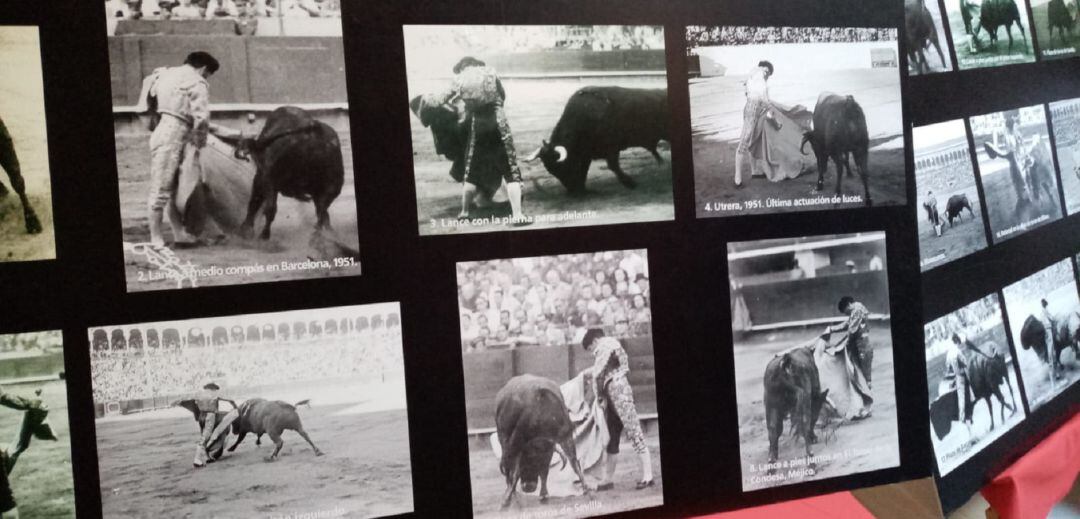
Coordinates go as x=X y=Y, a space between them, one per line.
x=806 y=137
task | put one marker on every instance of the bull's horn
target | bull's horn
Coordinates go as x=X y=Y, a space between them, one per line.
x=534 y=155
x=561 y=150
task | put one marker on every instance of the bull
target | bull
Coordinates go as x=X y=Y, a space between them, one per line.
x=533 y=424
x=598 y=123
x=955 y=205
x=1058 y=17
x=792 y=389
x=839 y=131
x=9 y=161
x=1033 y=336
x=985 y=375
x=256 y=416
x=297 y=156
x=993 y=14
x=921 y=34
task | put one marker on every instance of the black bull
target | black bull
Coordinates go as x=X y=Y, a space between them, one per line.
x=985 y=374
x=955 y=205
x=792 y=389
x=839 y=131
x=256 y=416
x=533 y=423
x=920 y=32
x=598 y=123
x=1033 y=336
x=297 y=156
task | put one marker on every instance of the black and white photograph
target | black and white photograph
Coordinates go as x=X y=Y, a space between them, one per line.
x=318 y=395
x=950 y=219
x=762 y=101
x=1044 y=317
x=560 y=385
x=926 y=44
x=813 y=352
x=1056 y=28
x=26 y=215
x=538 y=126
x=36 y=475
x=1065 y=119
x=233 y=149
x=990 y=33
x=1016 y=169
x=968 y=362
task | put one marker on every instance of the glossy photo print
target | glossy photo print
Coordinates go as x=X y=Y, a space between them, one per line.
x=232 y=167
x=949 y=213
x=560 y=385
x=1056 y=28
x=36 y=476
x=927 y=46
x=1065 y=119
x=760 y=100
x=990 y=33
x=520 y=127
x=1044 y=317
x=973 y=382
x=26 y=215
x=813 y=350
x=287 y=414
x=1016 y=169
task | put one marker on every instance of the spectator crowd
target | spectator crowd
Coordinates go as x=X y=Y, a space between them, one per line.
x=969 y=321
x=28 y=344
x=211 y=9
x=552 y=300
x=180 y=372
x=728 y=36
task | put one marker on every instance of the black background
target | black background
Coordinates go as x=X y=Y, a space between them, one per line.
x=943 y=97
x=85 y=286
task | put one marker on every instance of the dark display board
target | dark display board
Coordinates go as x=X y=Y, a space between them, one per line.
x=720 y=284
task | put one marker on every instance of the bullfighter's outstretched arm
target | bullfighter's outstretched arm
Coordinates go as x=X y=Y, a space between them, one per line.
x=17 y=402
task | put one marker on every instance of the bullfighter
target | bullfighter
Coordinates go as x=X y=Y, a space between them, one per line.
x=857 y=341
x=208 y=404
x=183 y=101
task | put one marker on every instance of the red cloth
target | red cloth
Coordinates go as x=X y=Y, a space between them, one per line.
x=1039 y=479
x=829 y=506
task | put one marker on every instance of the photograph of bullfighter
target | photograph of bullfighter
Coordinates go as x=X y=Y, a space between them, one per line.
x=35 y=459
x=949 y=216
x=1044 y=318
x=26 y=215
x=925 y=41
x=257 y=399
x=535 y=127
x=789 y=119
x=968 y=362
x=1016 y=169
x=232 y=169
x=1056 y=28
x=560 y=385
x=990 y=33
x=813 y=352
x=1065 y=121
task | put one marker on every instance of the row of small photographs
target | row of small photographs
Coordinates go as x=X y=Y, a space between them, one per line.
x=972 y=357
x=1013 y=168
x=813 y=343
x=206 y=216
x=989 y=33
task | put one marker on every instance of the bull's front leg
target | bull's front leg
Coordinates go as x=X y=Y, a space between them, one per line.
x=258 y=194
x=269 y=211
x=543 y=484
x=613 y=165
x=862 y=163
x=511 y=486
x=822 y=166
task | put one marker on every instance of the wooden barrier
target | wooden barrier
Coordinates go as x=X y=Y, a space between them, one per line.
x=815 y=298
x=487 y=371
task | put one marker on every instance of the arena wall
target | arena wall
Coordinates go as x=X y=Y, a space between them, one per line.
x=49 y=365
x=487 y=371
x=256 y=70
x=815 y=298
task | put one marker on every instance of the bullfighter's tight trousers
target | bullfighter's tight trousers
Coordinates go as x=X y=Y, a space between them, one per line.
x=167 y=144
x=752 y=113
x=621 y=395
x=512 y=178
